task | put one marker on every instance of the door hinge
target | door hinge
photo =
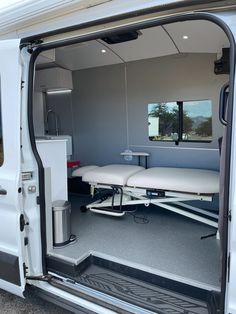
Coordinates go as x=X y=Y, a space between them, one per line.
x=38 y=200
x=22 y=84
x=23 y=223
x=228 y=215
x=31 y=45
x=25 y=269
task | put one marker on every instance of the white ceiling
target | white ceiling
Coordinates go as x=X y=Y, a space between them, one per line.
x=203 y=37
x=154 y=42
x=85 y=55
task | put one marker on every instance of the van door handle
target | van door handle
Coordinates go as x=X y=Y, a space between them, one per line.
x=3 y=192
x=223 y=103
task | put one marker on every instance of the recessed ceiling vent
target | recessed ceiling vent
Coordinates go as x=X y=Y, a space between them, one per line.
x=122 y=37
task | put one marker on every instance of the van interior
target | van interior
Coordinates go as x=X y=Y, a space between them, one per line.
x=147 y=98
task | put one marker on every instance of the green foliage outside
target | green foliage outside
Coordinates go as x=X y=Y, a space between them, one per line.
x=205 y=128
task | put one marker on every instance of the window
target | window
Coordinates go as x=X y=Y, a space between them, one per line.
x=180 y=121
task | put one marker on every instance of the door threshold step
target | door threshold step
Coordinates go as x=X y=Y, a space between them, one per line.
x=154 y=293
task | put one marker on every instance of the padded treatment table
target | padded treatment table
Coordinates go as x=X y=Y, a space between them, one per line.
x=197 y=181
x=168 y=188
x=111 y=174
x=79 y=172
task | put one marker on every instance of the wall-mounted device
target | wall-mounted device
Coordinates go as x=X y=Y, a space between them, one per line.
x=222 y=64
x=121 y=37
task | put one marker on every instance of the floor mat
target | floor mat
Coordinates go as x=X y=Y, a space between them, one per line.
x=150 y=296
x=150 y=237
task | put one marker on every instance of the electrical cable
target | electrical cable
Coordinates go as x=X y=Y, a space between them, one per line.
x=138 y=219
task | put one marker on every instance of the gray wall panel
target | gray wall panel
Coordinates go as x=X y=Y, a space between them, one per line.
x=99 y=114
x=98 y=117
x=62 y=105
x=173 y=78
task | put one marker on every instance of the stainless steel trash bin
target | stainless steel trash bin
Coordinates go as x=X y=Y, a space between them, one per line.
x=61 y=223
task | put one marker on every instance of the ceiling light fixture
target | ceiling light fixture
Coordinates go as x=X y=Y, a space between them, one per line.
x=103 y=51
x=185 y=37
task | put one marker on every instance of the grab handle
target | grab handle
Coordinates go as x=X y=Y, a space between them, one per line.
x=223 y=103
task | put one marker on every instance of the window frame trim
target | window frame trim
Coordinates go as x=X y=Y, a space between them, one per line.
x=180 y=104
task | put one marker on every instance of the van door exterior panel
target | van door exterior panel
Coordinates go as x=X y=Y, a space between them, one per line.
x=11 y=237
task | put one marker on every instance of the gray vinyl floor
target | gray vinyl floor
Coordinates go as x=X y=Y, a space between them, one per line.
x=149 y=238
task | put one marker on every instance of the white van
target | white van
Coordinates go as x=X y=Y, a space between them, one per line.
x=118 y=136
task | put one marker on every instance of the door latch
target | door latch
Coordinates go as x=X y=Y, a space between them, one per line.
x=23 y=223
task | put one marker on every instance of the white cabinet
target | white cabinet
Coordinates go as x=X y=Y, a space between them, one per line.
x=68 y=139
x=53 y=79
x=53 y=156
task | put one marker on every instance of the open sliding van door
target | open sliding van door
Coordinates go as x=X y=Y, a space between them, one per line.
x=11 y=222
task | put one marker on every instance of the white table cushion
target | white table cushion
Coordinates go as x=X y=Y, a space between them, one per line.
x=79 y=172
x=111 y=174
x=177 y=179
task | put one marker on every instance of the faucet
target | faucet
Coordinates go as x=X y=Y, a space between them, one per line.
x=56 y=120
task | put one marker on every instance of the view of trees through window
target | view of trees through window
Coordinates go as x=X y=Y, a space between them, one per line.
x=180 y=121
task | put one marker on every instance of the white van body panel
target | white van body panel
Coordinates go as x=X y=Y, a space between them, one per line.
x=29 y=165
x=43 y=17
x=11 y=238
x=39 y=17
x=228 y=18
x=36 y=17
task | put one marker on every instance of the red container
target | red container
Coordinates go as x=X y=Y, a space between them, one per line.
x=73 y=164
